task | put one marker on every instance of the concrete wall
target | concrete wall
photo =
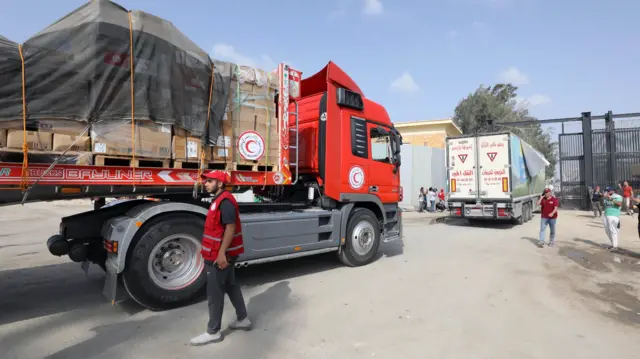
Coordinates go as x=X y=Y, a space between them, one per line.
x=421 y=167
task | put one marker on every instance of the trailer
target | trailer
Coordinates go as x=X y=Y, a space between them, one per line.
x=336 y=188
x=493 y=176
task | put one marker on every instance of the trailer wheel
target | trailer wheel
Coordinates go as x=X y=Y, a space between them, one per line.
x=530 y=211
x=525 y=212
x=164 y=267
x=363 y=238
x=520 y=220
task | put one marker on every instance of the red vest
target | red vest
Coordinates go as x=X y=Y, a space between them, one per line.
x=214 y=230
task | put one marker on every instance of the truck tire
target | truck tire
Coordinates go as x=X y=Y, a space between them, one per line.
x=164 y=266
x=520 y=220
x=530 y=211
x=363 y=238
x=526 y=208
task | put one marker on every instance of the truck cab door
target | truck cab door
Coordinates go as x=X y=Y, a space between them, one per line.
x=384 y=174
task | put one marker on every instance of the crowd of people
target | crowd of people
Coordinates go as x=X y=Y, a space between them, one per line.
x=608 y=204
x=431 y=200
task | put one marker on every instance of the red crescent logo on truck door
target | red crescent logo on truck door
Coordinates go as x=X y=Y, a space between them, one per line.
x=356 y=177
x=251 y=145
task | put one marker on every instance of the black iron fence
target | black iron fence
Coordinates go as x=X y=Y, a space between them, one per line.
x=613 y=152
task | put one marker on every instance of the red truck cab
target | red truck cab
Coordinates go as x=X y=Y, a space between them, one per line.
x=346 y=141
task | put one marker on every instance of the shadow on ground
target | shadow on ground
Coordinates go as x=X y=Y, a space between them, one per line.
x=478 y=223
x=534 y=241
x=621 y=251
x=266 y=306
x=66 y=288
x=34 y=292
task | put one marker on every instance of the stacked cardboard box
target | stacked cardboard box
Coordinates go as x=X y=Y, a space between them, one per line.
x=46 y=135
x=115 y=138
x=187 y=148
x=252 y=108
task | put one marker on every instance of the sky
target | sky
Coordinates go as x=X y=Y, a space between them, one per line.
x=416 y=58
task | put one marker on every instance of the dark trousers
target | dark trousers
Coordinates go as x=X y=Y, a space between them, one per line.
x=219 y=282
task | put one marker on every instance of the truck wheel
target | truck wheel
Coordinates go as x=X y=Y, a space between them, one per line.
x=164 y=267
x=520 y=220
x=363 y=238
x=530 y=211
x=525 y=212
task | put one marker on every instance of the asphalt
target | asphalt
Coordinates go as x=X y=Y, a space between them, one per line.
x=447 y=290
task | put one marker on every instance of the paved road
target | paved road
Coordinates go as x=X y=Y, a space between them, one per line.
x=447 y=291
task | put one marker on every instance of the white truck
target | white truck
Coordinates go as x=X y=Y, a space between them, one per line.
x=493 y=176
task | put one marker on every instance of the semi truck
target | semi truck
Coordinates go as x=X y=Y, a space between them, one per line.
x=336 y=188
x=493 y=176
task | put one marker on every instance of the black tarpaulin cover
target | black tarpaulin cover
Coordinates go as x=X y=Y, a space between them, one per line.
x=10 y=84
x=79 y=68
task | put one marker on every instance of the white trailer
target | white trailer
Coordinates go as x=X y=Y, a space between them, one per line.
x=494 y=176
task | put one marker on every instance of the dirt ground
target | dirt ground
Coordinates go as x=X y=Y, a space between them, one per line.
x=448 y=290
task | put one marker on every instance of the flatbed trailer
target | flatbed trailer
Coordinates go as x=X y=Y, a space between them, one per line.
x=150 y=248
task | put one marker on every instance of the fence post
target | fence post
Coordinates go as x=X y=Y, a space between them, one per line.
x=587 y=148
x=610 y=136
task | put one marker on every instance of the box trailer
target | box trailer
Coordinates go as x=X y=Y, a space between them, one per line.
x=493 y=176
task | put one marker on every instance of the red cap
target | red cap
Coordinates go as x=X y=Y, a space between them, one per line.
x=217 y=175
x=547 y=190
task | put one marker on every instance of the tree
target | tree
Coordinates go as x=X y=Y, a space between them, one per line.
x=475 y=112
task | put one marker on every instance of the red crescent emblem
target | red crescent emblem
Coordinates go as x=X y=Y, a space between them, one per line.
x=247 y=144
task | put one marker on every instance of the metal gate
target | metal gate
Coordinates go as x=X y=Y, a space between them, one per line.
x=573 y=190
x=610 y=163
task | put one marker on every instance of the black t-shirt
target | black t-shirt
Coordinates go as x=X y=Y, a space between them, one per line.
x=227 y=212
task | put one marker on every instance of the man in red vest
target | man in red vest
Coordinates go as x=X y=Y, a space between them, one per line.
x=221 y=246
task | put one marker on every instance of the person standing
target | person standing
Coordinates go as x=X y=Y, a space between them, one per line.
x=596 y=202
x=548 y=217
x=221 y=245
x=432 y=199
x=612 y=205
x=421 y=200
x=627 y=194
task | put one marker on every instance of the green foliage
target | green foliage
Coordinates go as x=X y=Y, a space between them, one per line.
x=475 y=113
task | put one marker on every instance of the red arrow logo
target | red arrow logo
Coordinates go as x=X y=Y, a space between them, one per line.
x=492 y=155
x=462 y=158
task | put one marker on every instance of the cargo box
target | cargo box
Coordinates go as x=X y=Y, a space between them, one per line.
x=115 y=138
x=64 y=132
x=254 y=125
x=188 y=148
x=36 y=140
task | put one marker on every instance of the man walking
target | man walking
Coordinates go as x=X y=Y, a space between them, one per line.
x=548 y=216
x=627 y=194
x=612 y=205
x=221 y=246
x=596 y=202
